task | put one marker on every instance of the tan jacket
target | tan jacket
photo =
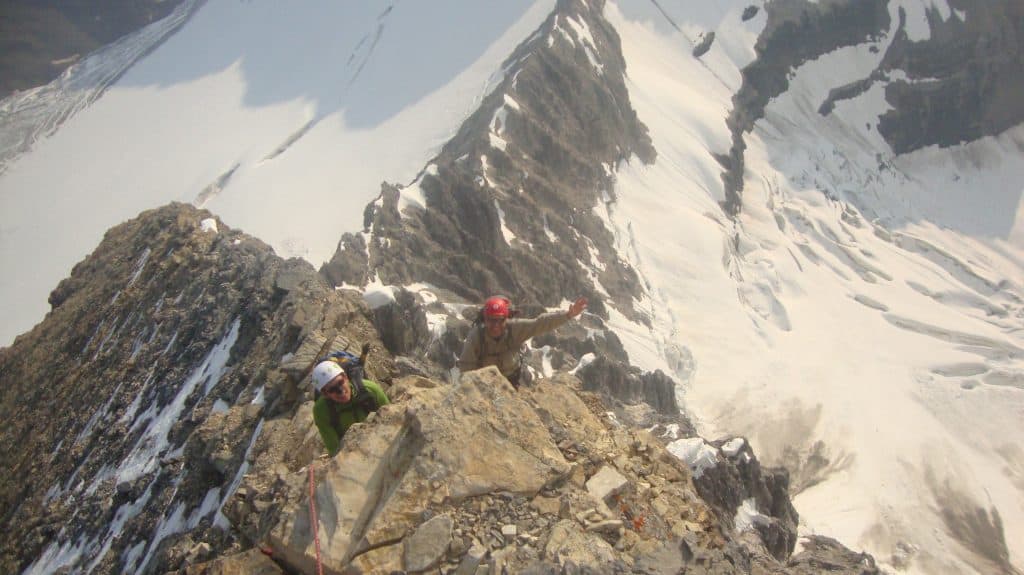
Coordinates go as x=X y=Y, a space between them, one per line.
x=482 y=350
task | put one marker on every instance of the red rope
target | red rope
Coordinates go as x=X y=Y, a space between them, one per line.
x=313 y=520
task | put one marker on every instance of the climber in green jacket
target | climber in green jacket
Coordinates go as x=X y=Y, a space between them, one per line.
x=497 y=340
x=343 y=401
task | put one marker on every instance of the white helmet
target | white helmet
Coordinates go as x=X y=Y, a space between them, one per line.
x=324 y=372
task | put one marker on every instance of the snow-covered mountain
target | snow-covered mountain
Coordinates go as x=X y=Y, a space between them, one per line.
x=266 y=133
x=744 y=225
x=864 y=307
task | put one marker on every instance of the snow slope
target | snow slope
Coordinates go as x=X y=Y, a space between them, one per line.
x=883 y=365
x=862 y=327
x=287 y=139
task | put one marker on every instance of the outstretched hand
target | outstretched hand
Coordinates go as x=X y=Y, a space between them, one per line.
x=577 y=307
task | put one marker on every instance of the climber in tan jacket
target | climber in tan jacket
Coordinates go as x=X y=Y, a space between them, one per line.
x=498 y=339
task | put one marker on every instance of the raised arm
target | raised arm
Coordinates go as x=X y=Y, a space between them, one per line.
x=525 y=329
x=378 y=393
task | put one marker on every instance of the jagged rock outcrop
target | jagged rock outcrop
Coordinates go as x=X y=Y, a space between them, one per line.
x=959 y=84
x=823 y=554
x=962 y=83
x=508 y=206
x=703 y=45
x=631 y=385
x=796 y=31
x=421 y=452
x=420 y=348
x=130 y=408
x=742 y=491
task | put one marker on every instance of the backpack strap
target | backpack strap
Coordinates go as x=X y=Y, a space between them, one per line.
x=335 y=416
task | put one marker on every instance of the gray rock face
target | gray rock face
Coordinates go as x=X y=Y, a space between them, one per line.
x=825 y=554
x=533 y=161
x=796 y=31
x=704 y=45
x=959 y=85
x=349 y=263
x=739 y=477
x=963 y=83
x=426 y=547
x=630 y=385
x=42 y=39
x=434 y=448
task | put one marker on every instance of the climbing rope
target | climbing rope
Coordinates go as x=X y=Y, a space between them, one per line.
x=314 y=521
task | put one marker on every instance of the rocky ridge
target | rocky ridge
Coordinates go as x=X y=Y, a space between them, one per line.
x=962 y=83
x=178 y=341
x=173 y=319
x=516 y=194
x=181 y=343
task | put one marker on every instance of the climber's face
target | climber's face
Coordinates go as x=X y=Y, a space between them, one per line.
x=495 y=326
x=338 y=389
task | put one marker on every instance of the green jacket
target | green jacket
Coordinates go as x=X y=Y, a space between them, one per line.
x=347 y=414
x=482 y=350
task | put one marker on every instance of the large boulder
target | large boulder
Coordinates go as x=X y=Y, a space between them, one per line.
x=476 y=475
x=251 y=562
x=441 y=445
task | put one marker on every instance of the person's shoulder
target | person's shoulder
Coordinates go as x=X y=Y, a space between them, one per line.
x=532 y=320
x=474 y=334
x=375 y=388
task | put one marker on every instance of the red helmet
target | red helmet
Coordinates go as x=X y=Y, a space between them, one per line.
x=496 y=306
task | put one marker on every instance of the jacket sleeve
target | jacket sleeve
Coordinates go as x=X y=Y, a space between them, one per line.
x=470 y=358
x=523 y=330
x=322 y=419
x=378 y=393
